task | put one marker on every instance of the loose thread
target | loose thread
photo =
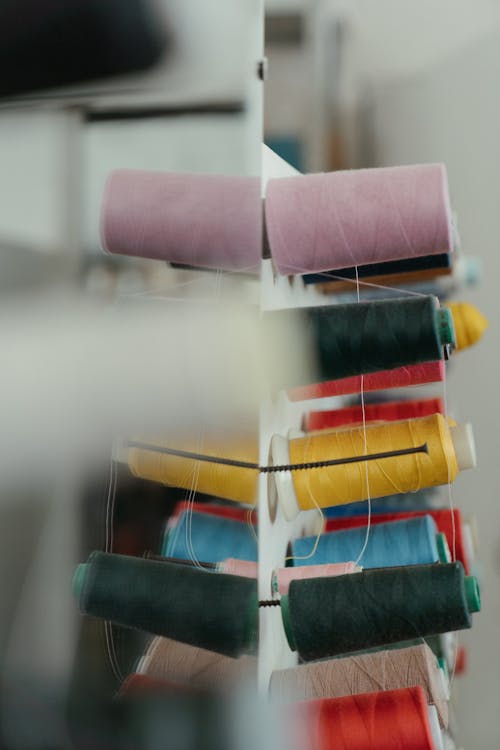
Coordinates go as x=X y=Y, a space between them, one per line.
x=282 y=467
x=269 y=603
x=365 y=449
x=110 y=512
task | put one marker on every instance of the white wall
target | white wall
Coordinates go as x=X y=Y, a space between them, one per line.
x=451 y=113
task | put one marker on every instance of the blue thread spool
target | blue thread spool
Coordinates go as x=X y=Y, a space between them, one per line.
x=390 y=504
x=210 y=539
x=413 y=541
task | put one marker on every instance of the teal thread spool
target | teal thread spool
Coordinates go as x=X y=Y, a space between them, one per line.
x=329 y=616
x=358 y=338
x=214 y=611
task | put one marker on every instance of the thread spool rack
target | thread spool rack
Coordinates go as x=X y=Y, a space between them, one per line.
x=278 y=416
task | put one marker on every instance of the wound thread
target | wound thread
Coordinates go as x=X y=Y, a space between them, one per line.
x=332 y=616
x=448 y=521
x=209 y=610
x=399 y=377
x=364 y=722
x=349 y=218
x=210 y=538
x=400 y=542
x=350 y=483
x=364 y=673
x=387 y=411
x=367 y=337
x=167 y=659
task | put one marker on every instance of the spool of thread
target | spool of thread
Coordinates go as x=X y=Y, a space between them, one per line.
x=235 y=567
x=468 y=549
x=234 y=512
x=442 y=646
x=202 y=220
x=465 y=271
x=349 y=218
x=423 y=500
x=448 y=521
x=375 y=287
x=413 y=541
x=220 y=480
x=330 y=616
x=449 y=450
x=364 y=337
x=209 y=538
x=387 y=411
x=399 y=377
x=196 y=668
x=210 y=610
x=469 y=323
x=283 y=577
x=461 y=661
x=391 y=272
x=385 y=720
x=365 y=673
x=139 y=684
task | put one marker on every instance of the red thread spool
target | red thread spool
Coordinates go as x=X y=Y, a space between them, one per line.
x=445 y=519
x=400 y=377
x=223 y=511
x=461 y=661
x=387 y=720
x=389 y=411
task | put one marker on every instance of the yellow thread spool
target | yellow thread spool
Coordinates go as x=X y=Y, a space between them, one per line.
x=228 y=482
x=469 y=323
x=450 y=449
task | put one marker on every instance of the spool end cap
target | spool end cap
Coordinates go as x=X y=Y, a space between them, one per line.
x=281 y=482
x=446 y=327
x=473 y=270
x=463 y=443
x=443 y=548
x=78 y=581
x=473 y=594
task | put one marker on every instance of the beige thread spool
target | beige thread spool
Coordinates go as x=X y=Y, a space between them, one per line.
x=172 y=661
x=365 y=673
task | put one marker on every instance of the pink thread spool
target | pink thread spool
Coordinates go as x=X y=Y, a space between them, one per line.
x=283 y=577
x=236 y=567
x=207 y=221
x=321 y=222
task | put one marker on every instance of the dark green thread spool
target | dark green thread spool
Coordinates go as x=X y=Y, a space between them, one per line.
x=358 y=338
x=330 y=616
x=210 y=610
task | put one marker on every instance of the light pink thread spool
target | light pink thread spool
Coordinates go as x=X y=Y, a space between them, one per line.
x=202 y=220
x=236 y=567
x=283 y=577
x=321 y=222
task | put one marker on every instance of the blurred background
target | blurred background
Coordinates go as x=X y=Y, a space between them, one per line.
x=349 y=84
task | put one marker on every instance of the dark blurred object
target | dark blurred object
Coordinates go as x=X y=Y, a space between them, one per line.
x=35 y=716
x=285 y=29
x=51 y=43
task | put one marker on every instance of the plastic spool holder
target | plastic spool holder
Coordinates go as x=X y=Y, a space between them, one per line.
x=277 y=417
